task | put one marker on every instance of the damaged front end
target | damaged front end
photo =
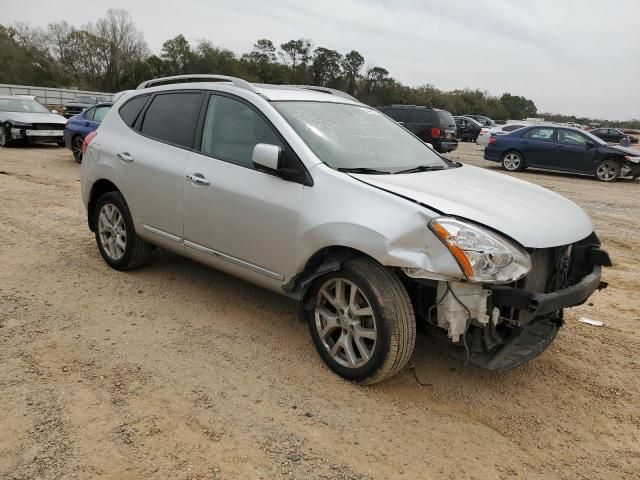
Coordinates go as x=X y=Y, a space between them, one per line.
x=504 y=326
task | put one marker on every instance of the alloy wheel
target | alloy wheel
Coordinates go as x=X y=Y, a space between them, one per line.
x=76 y=148
x=112 y=231
x=512 y=161
x=607 y=171
x=345 y=323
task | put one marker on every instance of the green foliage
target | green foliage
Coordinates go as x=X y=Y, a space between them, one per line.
x=113 y=56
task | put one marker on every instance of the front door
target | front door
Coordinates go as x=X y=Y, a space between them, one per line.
x=237 y=218
x=574 y=152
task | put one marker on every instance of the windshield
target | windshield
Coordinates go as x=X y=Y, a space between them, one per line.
x=85 y=99
x=348 y=137
x=21 y=105
x=593 y=138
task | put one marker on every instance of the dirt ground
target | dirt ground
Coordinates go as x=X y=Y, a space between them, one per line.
x=177 y=371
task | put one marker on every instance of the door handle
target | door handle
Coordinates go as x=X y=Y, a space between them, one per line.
x=198 y=179
x=125 y=157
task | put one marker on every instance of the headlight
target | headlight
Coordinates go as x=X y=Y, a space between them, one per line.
x=482 y=255
x=21 y=124
x=632 y=158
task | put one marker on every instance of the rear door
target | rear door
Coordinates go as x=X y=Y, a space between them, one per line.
x=154 y=157
x=538 y=146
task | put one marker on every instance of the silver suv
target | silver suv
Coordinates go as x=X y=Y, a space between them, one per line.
x=312 y=194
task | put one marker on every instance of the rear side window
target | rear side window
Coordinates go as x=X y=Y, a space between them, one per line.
x=232 y=129
x=172 y=118
x=419 y=116
x=541 y=134
x=129 y=111
x=398 y=114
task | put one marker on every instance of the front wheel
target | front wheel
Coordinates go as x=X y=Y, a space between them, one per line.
x=608 y=171
x=117 y=241
x=362 y=322
x=513 y=161
x=5 y=136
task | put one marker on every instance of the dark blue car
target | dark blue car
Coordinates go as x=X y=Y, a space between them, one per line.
x=80 y=125
x=563 y=149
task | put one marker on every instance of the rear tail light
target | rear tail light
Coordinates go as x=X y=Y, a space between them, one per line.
x=435 y=132
x=492 y=140
x=87 y=140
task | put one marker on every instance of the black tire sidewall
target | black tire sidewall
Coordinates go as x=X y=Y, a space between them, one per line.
x=382 y=342
x=7 y=132
x=116 y=199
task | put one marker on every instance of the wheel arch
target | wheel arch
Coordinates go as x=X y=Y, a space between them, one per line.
x=99 y=188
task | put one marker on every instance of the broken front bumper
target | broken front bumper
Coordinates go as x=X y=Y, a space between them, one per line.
x=539 y=304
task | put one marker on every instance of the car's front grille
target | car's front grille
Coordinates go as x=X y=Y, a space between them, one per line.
x=48 y=126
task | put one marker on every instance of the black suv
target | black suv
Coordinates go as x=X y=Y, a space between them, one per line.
x=431 y=125
x=80 y=104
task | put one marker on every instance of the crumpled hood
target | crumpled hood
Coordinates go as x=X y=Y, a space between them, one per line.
x=533 y=216
x=35 y=117
x=627 y=151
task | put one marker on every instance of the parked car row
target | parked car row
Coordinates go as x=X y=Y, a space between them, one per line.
x=25 y=120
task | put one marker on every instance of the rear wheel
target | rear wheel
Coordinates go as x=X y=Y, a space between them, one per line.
x=76 y=148
x=608 y=171
x=117 y=241
x=5 y=136
x=513 y=161
x=362 y=323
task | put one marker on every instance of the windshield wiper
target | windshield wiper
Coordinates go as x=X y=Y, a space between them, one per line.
x=420 y=168
x=363 y=170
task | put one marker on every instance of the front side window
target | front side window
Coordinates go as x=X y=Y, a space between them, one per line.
x=172 y=118
x=347 y=136
x=568 y=137
x=100 y=112
x=232 y=129
x=541 y=134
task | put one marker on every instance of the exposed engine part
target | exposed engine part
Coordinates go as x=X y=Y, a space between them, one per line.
x=458 y=304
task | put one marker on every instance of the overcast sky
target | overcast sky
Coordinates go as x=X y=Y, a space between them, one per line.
x=568 y=56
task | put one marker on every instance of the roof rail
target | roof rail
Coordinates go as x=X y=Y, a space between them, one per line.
x=332 y=91
x=238 y=82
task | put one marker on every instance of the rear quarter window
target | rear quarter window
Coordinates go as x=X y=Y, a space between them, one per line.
x=131 y=109
x=420 y=116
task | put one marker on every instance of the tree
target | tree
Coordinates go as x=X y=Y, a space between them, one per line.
x=518 y=107
x=261 y=58
x=124 y=44
x=375 y=77
x=352 y=63
x=296 y=54
x=326 y=66
x=177 y=55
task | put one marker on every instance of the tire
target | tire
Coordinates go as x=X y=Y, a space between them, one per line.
x=5 y=136
x=386 y=320
x=607 y=170
x=116 y=224
x=76 y=147
x=513 y=161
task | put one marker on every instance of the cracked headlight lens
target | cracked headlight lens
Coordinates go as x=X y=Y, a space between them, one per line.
x=483 y=256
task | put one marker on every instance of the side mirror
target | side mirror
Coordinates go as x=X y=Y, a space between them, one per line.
x=55 y=112
x=589 y=144
x=266 y=156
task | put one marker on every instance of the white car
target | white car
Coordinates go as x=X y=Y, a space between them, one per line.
x=316 y=196
x=25 y=120
x=487 y=132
